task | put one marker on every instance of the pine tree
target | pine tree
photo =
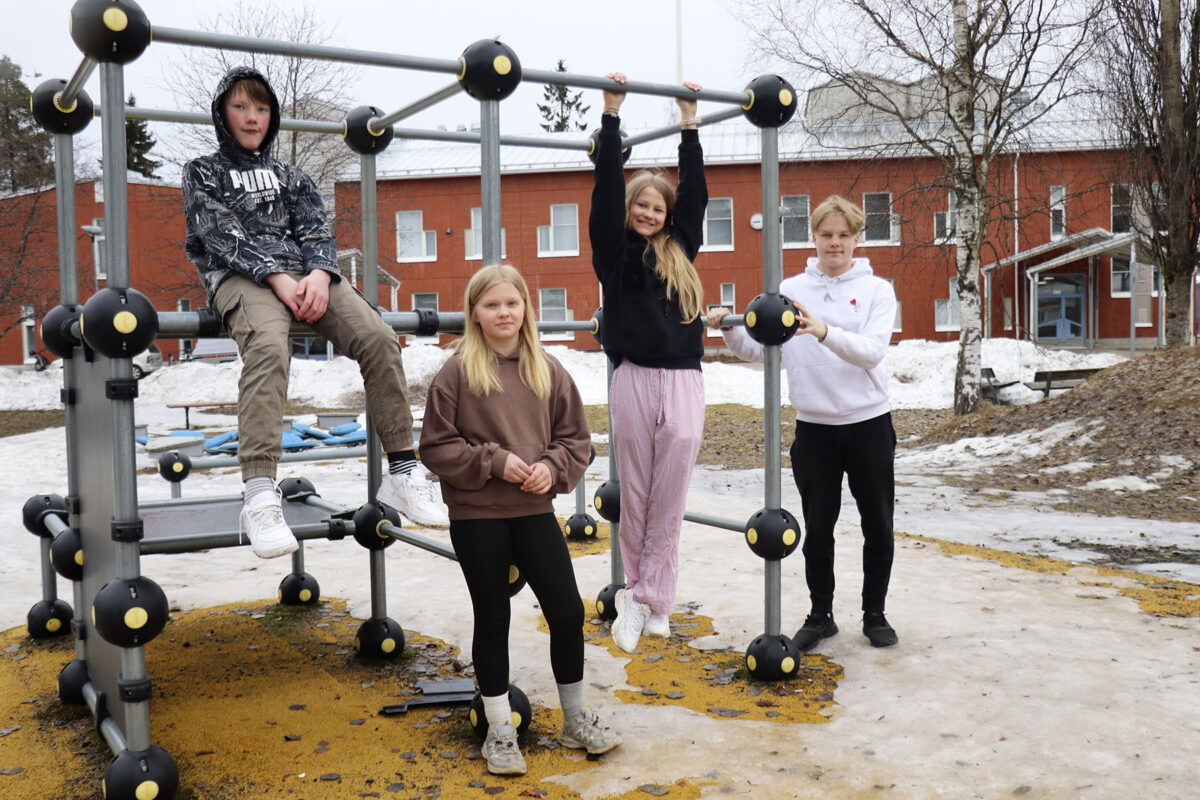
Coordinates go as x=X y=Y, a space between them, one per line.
x=138 y=143
x=563 y=109
x=26 y=158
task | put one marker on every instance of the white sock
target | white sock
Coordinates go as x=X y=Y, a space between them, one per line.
x=570 y=696
x=255 y=487
x=496 y=710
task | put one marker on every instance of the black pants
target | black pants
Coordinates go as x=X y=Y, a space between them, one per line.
x=864 y=452
x=486 y=548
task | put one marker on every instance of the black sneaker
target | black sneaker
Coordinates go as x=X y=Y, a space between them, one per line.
x=815 y=628
x=877 y=629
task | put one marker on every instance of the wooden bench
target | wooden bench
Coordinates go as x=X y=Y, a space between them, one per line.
x=187 y=407
x=989 y=387
x=1045 y=380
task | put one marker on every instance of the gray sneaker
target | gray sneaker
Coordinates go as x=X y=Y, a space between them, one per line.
x=584 y=731
x=502 y=752
x=416 y=496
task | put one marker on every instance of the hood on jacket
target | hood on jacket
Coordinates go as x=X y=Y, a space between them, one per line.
x=225 y=138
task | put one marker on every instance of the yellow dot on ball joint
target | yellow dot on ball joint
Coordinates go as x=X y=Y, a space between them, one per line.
x=125 y=322
x=599 y=502
x=387 y=645
x=751 y=318
x=751 y=663
x=146 y=790
x=305 y=595
x=789 y=318
x=785 y=97
x=788 y=665
x=177 y=467
x=589 y=530
x=502 y=65
x=516 y=718
x=752 y=536
x=514 y=574
x=136 y=617
x=79 y=557
x=789 y=537
x=53 y=624
x=115 y=19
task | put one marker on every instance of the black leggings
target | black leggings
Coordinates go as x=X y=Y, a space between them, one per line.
x=863 y=452
x=486 y=548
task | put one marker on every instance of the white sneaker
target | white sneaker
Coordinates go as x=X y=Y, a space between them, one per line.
x=415 y=496
x=657 y=625
x=631 y=618
x=501 y=751
x=584 y=731
x=263 y=522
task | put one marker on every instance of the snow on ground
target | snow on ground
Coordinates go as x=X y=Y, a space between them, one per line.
x=1005 y=681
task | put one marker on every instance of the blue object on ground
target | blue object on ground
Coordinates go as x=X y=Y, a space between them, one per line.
x=342 y=430
x=355 y=437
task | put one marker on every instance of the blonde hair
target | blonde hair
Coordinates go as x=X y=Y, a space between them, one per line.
x=836 y=204
x=477 y=357
x=671 y=264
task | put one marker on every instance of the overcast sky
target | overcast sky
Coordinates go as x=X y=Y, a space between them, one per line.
x=594 y=38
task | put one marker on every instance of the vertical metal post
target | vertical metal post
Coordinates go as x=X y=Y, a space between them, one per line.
x=1133 y=273
x=616 y=567
x=489 y=183
x=116 y=212
x=370 y=290
x=772 y=270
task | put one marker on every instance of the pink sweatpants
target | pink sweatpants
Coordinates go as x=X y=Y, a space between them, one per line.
x=658 y=422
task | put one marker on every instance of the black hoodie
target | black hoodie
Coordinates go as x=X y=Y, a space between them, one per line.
x=251 y=214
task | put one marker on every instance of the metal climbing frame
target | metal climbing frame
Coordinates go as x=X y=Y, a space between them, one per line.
x=102 y=507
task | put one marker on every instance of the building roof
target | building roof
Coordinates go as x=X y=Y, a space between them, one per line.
x=733 y=141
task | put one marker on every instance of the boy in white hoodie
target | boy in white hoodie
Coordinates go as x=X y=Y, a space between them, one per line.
x=838 y=385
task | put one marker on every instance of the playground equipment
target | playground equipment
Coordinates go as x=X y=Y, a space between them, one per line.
x=96 y=535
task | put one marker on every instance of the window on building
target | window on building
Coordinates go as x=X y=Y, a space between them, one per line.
x=1007 y=302
x=728 y=300
x=881 y=226
x=796 y=231
x=718 y=224
x=412 y=242
x=185 y=345
x=561 y=236
x=899 y=320
x=1122 y=208
x=1120 y=279
x=28 y=335
x=552 y=307
x=1058 y=212
x=945 y=310
x=945 y=223
x=423 y=300
x=99 y=250
x=474 y=237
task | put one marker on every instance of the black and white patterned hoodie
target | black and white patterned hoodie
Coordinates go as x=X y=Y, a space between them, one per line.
x=249 y=213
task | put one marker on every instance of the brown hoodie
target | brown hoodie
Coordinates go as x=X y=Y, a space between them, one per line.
x=465 y=440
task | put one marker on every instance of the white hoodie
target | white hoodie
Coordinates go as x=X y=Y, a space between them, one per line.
x=841 y=380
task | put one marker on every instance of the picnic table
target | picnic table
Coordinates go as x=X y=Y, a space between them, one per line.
x=187 y=407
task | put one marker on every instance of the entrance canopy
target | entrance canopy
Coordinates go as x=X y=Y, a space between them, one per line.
x=1094 y=242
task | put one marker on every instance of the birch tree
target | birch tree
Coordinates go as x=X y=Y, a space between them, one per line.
x=1149 y=65
x=957 y=80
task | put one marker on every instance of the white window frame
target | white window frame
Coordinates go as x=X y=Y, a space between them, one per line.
x=1126 y=207
x=1058 y=212
x=547 y=240
x=712 y=220
x=28 y=334
x=806 y=240
x=426 y=240
x=945 y=223
x=898 y=321
x=473 y=236
x=893 y=223
x=561 y=313
x=728 y=300
x=1155 y=282
x=422 y=298
x=1007 y=304
x=99 y=251
x=947 y=306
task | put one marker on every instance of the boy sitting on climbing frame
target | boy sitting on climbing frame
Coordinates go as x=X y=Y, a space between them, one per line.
x=257 y=233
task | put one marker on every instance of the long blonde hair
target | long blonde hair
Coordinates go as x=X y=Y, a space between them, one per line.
x=478 y=358
x=671 y=264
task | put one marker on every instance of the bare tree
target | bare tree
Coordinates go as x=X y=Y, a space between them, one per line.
x=307 y=88
x=1149 y=64
x=966 y=81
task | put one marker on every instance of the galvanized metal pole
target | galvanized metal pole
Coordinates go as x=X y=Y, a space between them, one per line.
x=489 y=178
x=772 y=269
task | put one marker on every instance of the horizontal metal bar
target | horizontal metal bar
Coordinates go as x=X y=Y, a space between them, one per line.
x=186 y=324
x=311 y=454
x=715 y=522
x=377 y=126
x=200 y=118
x=108 y=726
x=670 y=130
x=208 y=541
x=632 y=87
x=248 y=44
x=74 y=86
x=437 y=548
x=187 y=501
